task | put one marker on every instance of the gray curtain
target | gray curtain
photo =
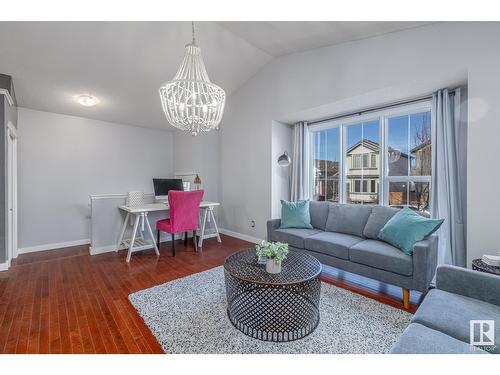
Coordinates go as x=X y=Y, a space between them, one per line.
x=449 y=163
x=299 y=189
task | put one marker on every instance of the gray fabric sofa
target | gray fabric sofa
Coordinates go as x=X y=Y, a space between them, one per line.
x=441 y=324
x=345 y=236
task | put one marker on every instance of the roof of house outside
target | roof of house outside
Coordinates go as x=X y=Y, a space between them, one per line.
x=332 y=166
x=374 y=146
x=421 y=146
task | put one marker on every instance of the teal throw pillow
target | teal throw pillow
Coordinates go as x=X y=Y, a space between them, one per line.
x=295 y=215
x=406 y=228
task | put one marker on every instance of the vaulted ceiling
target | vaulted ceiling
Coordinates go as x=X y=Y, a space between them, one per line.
x=124 y=63
x=282 y=38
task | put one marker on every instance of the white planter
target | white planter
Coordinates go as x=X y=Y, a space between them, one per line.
x=273 y=266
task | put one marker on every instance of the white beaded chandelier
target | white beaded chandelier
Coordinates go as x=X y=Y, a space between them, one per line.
x=190 y=101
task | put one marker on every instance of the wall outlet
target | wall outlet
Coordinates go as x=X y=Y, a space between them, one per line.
x=252 y=223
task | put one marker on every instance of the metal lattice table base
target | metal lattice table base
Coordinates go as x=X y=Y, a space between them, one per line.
x=270 y=307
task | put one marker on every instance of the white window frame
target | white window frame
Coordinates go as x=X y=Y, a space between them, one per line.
x=382 y=116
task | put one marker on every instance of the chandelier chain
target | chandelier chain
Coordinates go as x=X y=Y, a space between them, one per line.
x=192 y=31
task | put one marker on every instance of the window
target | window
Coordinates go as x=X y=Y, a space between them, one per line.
x=357 y=162
x=409 y=160
x=380 y=158
x=357 y=186
x=362 y=161
x=365 y=160
x=362 y=142
x=326 y=161
x=364 y=186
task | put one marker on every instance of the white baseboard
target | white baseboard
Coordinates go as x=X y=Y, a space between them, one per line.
x=110 y=248
x=52 y=246
x=4 y=266
x=241 y=236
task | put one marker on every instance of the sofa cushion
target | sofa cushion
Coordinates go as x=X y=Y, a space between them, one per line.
x=319 y=214
x=406 y=228
x=295 y=214
x=381 y=255
x=331 y=243
x=419 y=339
x=378 y=218
x=348 y=218
x=451 y=314
x=293 y=236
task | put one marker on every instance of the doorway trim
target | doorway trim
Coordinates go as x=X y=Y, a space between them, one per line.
x=11 y=195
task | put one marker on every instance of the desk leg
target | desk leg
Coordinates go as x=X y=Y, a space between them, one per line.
x=202 y=231
x=140 y=234
x=141 y=223
x=130 y=249
x=215 y=225
x=124 y=227
x=151 y=233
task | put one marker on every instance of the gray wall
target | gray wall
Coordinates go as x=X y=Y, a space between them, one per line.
x=64 y=159
x=7 y=113
x=200 y=155
x=282 y=135
x=359 y=74
x=107 y=220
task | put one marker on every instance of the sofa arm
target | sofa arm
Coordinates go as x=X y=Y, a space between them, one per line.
x=424 y=262
x=474 y=284
x=272 y=225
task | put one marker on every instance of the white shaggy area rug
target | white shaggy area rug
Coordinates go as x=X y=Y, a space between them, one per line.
x=189 y=315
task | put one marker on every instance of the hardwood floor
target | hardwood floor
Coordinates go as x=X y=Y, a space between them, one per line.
x=66 y=301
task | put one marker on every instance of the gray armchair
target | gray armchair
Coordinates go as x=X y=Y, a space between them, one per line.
x=468 y=283
x=444 y=321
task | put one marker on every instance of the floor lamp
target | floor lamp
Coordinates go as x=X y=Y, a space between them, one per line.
x=284 y=161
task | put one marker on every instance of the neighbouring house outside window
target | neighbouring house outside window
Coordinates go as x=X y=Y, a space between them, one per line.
x=382 y=157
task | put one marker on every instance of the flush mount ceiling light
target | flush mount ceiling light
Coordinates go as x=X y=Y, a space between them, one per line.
x=87 y=100
x=190 y=101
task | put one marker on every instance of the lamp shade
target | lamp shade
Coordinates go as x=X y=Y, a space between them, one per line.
x=284 y=160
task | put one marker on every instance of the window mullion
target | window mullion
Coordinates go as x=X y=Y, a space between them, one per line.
x=384 y=167
x=342 y=167
x=409 y=157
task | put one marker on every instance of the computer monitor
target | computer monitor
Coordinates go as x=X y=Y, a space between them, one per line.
x=163 y=185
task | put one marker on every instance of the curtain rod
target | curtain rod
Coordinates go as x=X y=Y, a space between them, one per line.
x=375 y=108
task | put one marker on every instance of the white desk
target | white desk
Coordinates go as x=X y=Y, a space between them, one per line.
x=138 y=242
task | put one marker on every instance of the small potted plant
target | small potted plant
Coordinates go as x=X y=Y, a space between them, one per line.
x=274 y=253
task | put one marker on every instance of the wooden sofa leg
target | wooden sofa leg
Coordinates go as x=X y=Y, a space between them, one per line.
x=406 y=298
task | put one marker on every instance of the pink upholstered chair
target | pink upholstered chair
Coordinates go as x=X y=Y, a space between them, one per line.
x=184 y=207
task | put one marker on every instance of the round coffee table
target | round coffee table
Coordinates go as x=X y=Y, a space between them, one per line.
x=273 y=307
